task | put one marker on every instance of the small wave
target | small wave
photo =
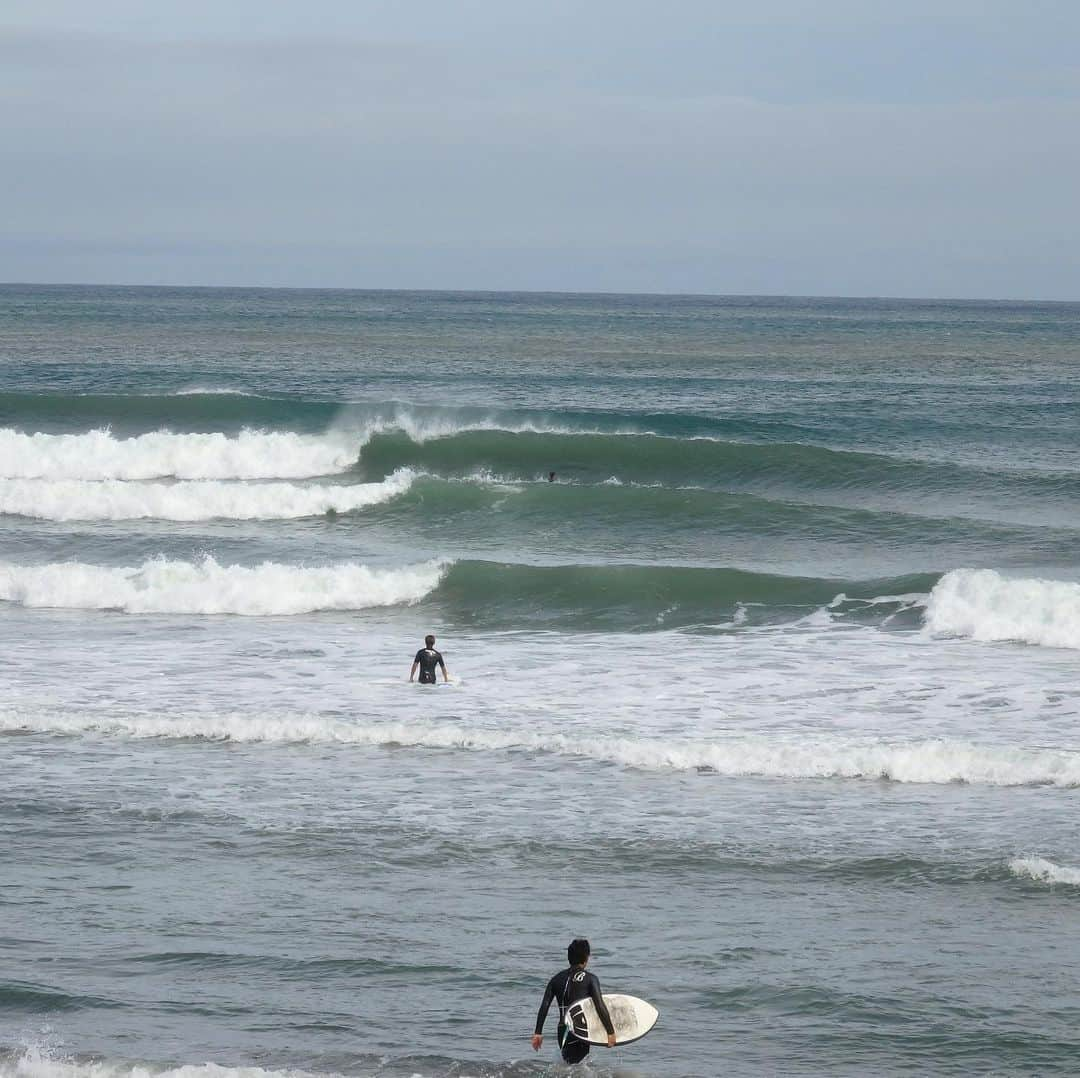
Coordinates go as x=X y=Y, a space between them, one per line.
x=99 y=455
x=981 y=604
x=205 y=587
x=33 y=1062
x=933 y=762
x=189 y=500
x=1043 y=871
x=212 y=391
x=21 y=996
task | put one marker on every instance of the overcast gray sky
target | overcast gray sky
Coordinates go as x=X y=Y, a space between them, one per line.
x=833 y=147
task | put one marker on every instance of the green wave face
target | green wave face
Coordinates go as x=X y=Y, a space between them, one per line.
x=570 y=521
x=642 y=598
x=804 y=471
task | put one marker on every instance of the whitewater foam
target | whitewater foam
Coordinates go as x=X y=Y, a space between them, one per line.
x=1038 y=868
x=32 y=1063
x=189 y=500
x=206 y=587
x=935 y=762
x=984 y=605
x=98 y=454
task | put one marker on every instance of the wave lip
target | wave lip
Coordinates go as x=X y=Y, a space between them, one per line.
x=189 y=500
x=206 y=587
x=981 y=604
x=98 y=454
x=1043 y=871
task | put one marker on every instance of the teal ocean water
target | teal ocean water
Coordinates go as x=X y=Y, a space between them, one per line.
x=762 y=617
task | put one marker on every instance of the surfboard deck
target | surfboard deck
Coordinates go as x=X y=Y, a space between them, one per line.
x=632 y=1018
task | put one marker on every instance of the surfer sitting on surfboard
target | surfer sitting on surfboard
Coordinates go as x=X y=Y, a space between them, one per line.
x=568 y=987
x=427 y=658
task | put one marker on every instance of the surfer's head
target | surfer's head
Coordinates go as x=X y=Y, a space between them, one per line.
x=429 y=641
x=577 y=954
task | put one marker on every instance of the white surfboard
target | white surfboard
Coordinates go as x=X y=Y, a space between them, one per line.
x=631 y=1017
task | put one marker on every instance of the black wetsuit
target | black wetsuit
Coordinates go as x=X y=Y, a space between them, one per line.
x=568 y=987
x=429 y=658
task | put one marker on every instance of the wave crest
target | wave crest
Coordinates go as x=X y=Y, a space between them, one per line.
x=936 y=761
x=98 y=454
x=205 y=587
x=984 y=605
x=1043 y=871
x=189 y=500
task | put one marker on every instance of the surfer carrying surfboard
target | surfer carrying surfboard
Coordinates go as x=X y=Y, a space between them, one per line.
x=427 y=658
x=567 y=987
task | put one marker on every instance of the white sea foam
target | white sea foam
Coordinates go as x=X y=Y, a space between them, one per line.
x=205 y=587
x=984 y=605
x=98 y=454
x=427 y=428
x=1038 y=868
x=779 y=757
x=188 y=500
x=33 y=1063
x=212 y=391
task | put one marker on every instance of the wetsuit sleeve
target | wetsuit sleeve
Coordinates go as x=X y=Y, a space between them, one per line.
x=418 y=654
x=545 y=1004
x=439 y=660
x=601 y=1006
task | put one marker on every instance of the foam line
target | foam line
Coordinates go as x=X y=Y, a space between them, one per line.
x=98 y=454
x=33 y=1063
x=189 y=500
x=931 y=761
x=205 y=587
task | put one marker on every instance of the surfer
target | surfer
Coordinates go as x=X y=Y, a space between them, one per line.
x=551 y=477
x=568 y=987
x=427 y=658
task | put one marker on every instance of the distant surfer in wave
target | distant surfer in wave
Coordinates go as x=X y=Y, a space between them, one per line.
x=427 y=658
x=567 y=987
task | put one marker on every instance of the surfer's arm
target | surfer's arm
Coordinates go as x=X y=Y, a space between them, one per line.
x=442 y=663
x=412 y=672
x=545 y=1005
x=602 y=1011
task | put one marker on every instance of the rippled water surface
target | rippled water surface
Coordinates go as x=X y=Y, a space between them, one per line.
x=770 y=690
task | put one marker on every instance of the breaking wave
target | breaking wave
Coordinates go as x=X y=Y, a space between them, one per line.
x=98 y=454
x=933 y=761
x=189 y=500
x=628 y=597
x=981 y=604
x=205 y=587
x=1043 y=871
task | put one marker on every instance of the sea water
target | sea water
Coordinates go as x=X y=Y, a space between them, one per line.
x=771 y=691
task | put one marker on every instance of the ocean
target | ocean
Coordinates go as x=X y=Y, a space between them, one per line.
x=770 y=690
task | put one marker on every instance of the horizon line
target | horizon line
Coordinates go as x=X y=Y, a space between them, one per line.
x=539 y=292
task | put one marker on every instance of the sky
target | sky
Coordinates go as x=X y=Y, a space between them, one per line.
x=834 y=147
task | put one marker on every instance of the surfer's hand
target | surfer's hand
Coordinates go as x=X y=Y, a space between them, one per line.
x=611 y=1040
x=537 y=1041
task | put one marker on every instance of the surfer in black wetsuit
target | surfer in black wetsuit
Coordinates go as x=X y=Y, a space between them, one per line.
x=427 y=658
x=568 y=987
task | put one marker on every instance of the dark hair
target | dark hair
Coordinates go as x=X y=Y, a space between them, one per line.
x=429 y=640
x=577 y=952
